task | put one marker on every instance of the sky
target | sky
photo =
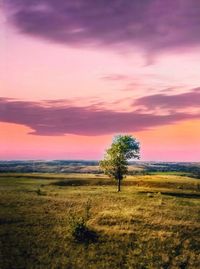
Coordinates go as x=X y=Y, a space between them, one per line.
x=75 y=73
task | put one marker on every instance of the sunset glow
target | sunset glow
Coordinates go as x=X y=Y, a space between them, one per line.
x=75 y=73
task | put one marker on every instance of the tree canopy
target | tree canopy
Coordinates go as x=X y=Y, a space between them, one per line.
x=115 y=162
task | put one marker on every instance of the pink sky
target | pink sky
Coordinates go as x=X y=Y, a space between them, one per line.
x=65 y=93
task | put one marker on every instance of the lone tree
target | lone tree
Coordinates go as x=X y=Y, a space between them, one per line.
x=115 y=162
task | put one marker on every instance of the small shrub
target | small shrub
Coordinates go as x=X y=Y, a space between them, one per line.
x=81 y=232
x=38 y=191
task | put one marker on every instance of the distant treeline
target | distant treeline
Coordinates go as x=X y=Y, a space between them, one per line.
x=193 y=169
x=80 y=166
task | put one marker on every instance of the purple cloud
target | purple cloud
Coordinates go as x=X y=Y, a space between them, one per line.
x=51 y=118
x=154 y=25
x=182 y=100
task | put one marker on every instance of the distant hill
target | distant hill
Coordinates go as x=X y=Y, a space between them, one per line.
x=81 y=166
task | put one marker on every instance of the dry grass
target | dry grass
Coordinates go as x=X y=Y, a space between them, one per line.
x=152 y=223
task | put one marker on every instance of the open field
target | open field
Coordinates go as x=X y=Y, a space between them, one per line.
x=152 y=223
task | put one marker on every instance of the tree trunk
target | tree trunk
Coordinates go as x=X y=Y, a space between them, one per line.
x=119 y=184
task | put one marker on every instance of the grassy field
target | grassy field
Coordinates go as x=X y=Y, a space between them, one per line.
x=152 y=223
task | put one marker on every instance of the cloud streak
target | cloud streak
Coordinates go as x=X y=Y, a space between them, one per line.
x=154 y=25
x=54 y=119
x=183 y=100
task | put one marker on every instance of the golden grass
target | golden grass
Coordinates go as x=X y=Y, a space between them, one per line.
x=152 y=223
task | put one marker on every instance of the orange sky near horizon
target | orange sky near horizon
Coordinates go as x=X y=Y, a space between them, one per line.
x=167 y=142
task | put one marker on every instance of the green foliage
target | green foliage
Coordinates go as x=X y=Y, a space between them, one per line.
x=126 y=145
x=80 y=231
x=78 y=225
x=122 y=149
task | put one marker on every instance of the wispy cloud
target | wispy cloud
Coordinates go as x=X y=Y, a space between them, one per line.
x=59 y=118
x=152 y=25
x=186 y=100
x=115 y=77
